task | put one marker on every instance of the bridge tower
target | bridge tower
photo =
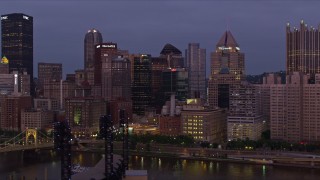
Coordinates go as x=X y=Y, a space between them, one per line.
x=29 y=133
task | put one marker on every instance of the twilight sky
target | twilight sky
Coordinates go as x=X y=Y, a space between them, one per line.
x=145 y=26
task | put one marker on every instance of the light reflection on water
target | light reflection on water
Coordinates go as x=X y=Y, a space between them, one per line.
x=48 y=164
x=171 y=168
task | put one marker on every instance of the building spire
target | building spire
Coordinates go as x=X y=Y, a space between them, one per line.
x=227 y=40
x=228 y=23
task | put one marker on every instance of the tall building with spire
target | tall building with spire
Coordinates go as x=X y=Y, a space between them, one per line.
x=227 y=68
x=303 y=49
x=196 y=64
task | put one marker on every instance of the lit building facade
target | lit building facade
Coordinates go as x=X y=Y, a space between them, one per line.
x=303 y=49
x=15 y=83
x=203 y=123
x=4 y=65
x=245 y=117
x=83 y=114
x=36 y=119
x=196 y=65
x=227 y=68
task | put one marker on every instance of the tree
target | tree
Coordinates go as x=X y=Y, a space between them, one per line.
x=265 y=135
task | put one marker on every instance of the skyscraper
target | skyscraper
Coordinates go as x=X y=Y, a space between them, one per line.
x=158 y=65
x=245 y=118
x=17 y=41
x=112 y=72
x=227 y=68
x=303 y=49
x=174 y=80
x=141 y=89
x=92 y=38
x=103 y=52
x=196 y=64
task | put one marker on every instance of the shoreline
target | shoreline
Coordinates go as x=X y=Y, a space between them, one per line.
x=252 y=161
x=198 y=158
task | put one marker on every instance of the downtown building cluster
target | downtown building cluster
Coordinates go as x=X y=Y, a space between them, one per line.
x=167 y=94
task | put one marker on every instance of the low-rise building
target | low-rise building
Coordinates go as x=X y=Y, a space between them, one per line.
x=36 y=119
x=46 y=103
x=83 y=114
x=11 y=106
x=170 y=125
x=203 y=123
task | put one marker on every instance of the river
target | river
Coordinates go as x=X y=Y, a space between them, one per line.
x=46 y=164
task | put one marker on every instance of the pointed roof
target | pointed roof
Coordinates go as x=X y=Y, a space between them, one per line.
x=4 y=60
x=227 y=40
x=169 y=48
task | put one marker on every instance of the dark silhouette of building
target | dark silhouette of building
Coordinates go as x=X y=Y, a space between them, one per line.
x=49 y=72
x=92 y=38
x=174 y=81
x=11 y=107
x=112 y=72
x=196 y=64
x=104 y=53
x=158 y=65
x=141 y=89
x=17 y=41
x=173 y=56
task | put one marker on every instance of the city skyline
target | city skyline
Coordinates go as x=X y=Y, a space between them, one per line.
x=249 y=21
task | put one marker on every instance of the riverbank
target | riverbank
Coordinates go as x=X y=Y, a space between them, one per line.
x=231 y=160
x=288 y=160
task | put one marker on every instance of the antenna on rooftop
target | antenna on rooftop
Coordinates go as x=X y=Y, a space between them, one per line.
x=228 y=23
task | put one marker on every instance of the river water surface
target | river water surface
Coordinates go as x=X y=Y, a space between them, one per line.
x=46 y=165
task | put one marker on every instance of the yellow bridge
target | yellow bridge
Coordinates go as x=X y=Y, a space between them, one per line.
x=28 y=139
